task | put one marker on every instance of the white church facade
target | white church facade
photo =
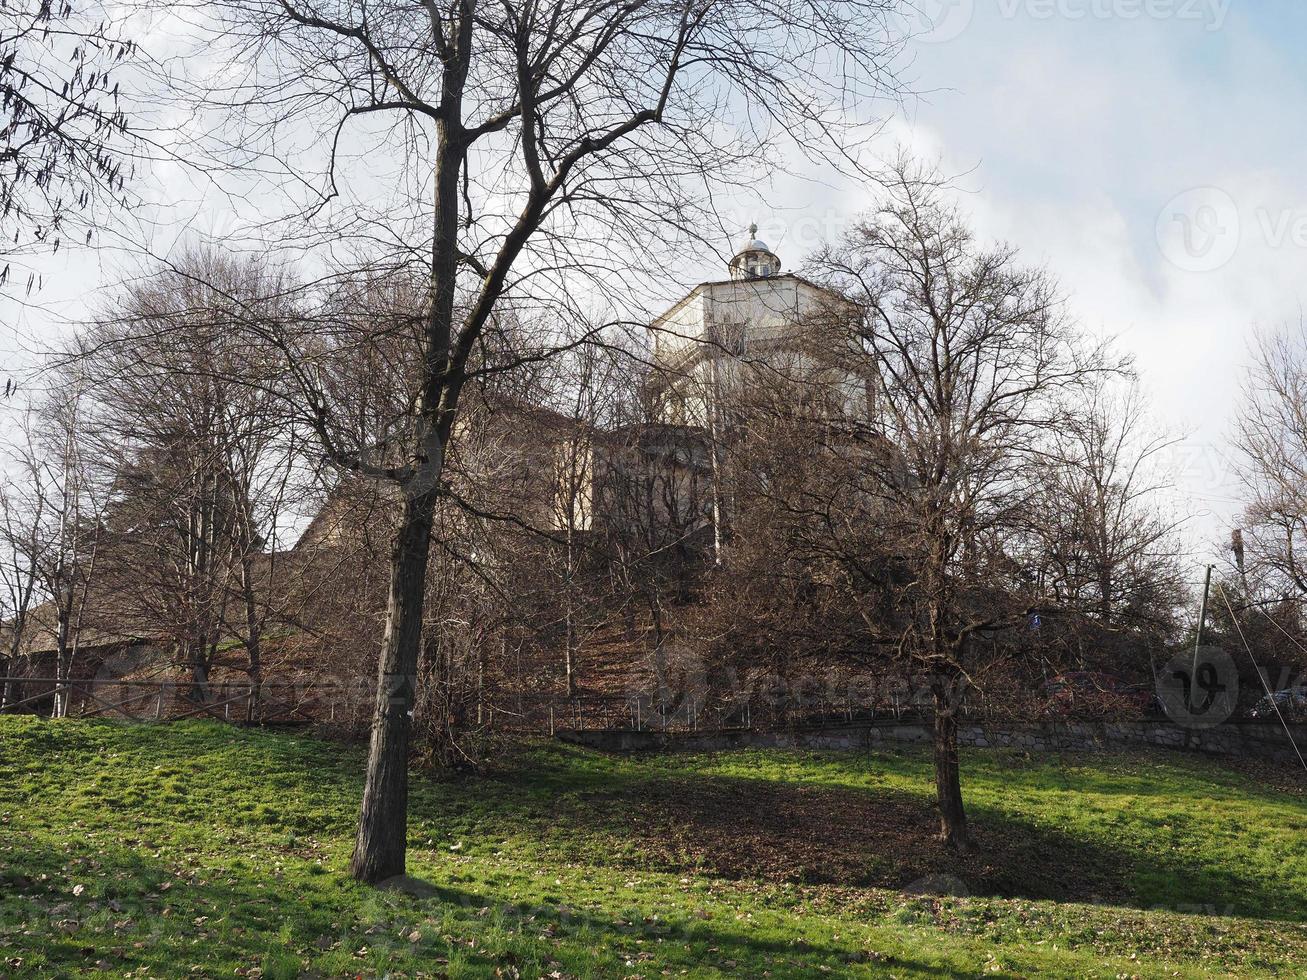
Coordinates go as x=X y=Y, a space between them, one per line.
x=717 y=353
x=729 y=334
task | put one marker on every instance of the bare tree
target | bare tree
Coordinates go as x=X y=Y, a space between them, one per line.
x=1272 y=458
x=656 y=524
x=588 y=383
x=79 y=506
x=64 y=141
x=1105 y=544
x=1267 y=564
x=23 y=547
x=52 y=529
x=973 y=361
x=189 y=425
x=551 y=133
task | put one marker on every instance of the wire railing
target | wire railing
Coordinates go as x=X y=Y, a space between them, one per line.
x=175 y=699
x=349 y=706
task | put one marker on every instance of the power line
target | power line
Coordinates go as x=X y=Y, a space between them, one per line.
x=1262 y=677
x=1292 y=639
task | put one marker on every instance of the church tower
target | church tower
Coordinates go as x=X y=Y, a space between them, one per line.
x=715 y=340
x=756 y=260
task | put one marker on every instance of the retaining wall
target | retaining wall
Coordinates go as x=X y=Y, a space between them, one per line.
x=1260 y=740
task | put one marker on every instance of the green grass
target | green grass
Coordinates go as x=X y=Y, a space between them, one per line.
x=204 y=850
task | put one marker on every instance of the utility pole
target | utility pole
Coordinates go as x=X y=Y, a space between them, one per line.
x=1202 y=618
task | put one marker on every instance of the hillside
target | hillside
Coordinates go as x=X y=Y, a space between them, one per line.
x=207 y=850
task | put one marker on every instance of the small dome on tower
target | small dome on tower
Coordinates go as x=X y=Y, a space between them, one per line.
x=755 y=260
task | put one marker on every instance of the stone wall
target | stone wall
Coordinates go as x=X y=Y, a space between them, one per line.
x=1259 y=740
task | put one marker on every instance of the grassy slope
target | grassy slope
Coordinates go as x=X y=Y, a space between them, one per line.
x=198 y=848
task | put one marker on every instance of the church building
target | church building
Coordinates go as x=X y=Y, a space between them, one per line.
x=760 y=337
x=728 y=334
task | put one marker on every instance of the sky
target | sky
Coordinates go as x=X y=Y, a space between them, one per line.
x=1149 y=153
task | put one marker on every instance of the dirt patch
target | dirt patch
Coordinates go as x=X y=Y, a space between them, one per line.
x=759 y=830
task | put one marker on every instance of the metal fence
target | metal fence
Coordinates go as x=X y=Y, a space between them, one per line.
x=176 y=699
x=644 y=712
x=349 y=706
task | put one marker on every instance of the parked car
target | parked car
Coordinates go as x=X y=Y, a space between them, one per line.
x=1087 y=693
x=1291 y=702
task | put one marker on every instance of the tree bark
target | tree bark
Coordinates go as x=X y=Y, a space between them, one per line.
x=253 y=638
x=196 y=661
x=379 y=849
x=9 y=689
x=63 y=671
x=948 y=786
x=63 y=666
x=569 y=652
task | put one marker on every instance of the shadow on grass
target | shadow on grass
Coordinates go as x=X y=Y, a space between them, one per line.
x=556 y=920
x=173 y=783
x=743 y=828
x=135 y=912
x=90 y=906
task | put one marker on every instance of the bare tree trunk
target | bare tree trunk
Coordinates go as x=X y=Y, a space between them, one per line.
x=569 y=654
x=711 y=407
x=196 y=658
x=11 y=691
x=253 y=639
x=20 y=666
x=379 y=848
x=948 y=786
x=63 y=667
x=656 y=621
x=570 y=658
x=1105 y=587
x=71 y=632
x=63 y=686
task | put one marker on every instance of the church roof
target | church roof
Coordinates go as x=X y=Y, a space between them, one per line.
x=755 y=244
x=753 y=283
